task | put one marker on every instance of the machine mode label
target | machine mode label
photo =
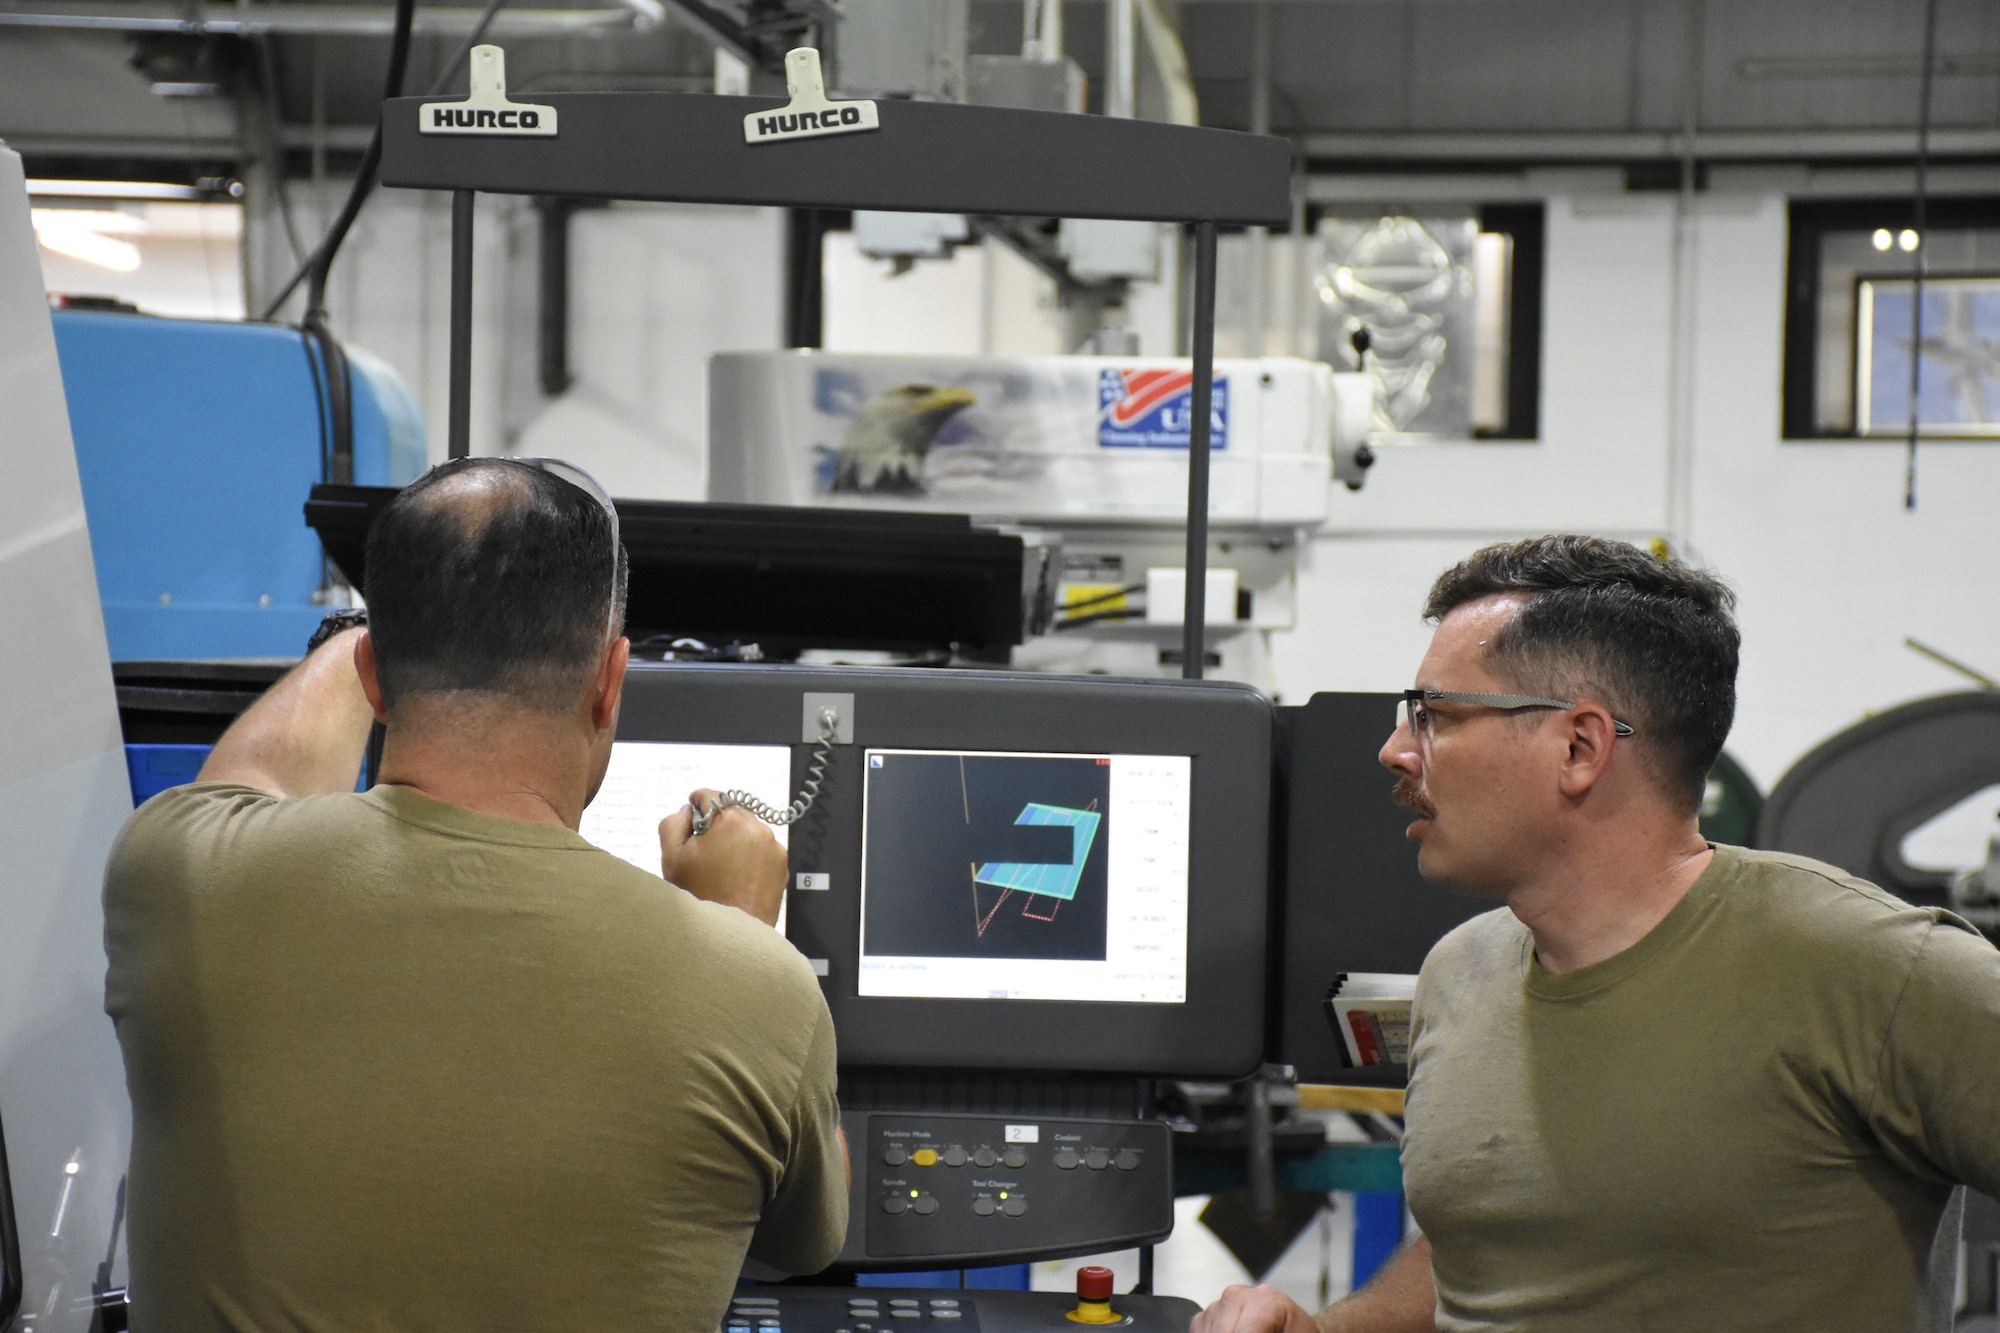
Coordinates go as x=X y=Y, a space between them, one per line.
x=809 y=115
x=1154 y=409
x=486 y=109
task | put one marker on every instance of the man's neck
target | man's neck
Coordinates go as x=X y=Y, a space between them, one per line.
x=1602 y=901
x=492 y=758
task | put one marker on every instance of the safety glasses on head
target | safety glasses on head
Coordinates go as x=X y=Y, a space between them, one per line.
x=590 y=486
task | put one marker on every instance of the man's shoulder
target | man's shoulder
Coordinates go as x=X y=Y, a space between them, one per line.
x=1490 y=948
x=1813 y=897
x=744 y=947
x=1492 y=936
x=180 y=822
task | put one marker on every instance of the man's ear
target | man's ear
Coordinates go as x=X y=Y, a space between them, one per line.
x=371 y=684
x=609 y=687
x=1592 y=734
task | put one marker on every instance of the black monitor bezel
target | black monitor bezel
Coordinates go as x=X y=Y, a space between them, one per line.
x=1226 y=728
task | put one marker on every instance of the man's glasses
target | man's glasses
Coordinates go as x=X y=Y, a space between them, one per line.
x=1412 y=713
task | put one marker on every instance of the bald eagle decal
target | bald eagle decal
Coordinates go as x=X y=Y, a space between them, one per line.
x=890 y=436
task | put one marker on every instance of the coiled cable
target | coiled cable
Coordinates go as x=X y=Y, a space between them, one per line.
x=829 y=722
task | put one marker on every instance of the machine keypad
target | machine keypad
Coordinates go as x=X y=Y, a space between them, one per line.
x=974 y=1184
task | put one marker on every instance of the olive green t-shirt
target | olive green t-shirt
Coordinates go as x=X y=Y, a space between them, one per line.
x=398 y=1065
x=1753 y=1118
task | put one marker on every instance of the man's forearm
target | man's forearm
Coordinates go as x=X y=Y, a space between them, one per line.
x=1402 y=1298
x=306 y=735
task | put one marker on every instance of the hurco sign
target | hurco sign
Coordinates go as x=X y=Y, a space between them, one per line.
x=443 y=119
x=486 y=109
x=809 y=114
x=833 y=120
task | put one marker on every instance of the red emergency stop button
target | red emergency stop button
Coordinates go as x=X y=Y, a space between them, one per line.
x=1093 y=1297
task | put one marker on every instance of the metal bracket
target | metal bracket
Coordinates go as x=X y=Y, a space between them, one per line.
x=843 y=710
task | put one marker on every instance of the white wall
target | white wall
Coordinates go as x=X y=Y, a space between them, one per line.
x=654 y=290
x=1831 y=570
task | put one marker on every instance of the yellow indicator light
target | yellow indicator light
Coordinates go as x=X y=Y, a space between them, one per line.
x=913 y=1194
x=1003 y=1194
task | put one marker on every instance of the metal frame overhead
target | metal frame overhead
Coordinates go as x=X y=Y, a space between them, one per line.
x=926 y=157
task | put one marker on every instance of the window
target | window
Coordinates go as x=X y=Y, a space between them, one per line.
x=1849 y=286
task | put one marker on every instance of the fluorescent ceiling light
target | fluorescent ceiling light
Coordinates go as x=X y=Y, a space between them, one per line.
x=80 y=233
x=67 y=189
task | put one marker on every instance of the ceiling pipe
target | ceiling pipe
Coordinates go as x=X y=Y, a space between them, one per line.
x=1584 y=146
x=321 y=20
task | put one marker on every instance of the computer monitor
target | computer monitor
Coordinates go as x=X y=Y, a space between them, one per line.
x=1001 y=870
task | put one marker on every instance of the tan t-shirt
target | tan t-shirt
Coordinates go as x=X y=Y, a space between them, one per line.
x=395 y=1064
x=1751 y=1119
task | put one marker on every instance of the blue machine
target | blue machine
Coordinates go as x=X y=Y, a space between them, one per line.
x=196 y=442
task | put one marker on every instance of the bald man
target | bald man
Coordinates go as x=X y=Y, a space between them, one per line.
x=422 y=1057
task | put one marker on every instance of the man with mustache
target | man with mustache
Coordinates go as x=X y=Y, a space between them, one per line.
x=1670 y=1085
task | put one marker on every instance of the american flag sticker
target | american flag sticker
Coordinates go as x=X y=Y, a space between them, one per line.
x=1154 y=409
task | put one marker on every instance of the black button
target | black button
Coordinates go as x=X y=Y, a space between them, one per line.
x=1015 y=1158
x=1097 y=1159
x=925 y=1206
x=907 y=1314
x=985 y=1157
x=944 y=1314
x=1015 y=1206
x=941 y=1303
x=954 y=1156
x=1126 y=1160
x=985 y=1206
x=904 y=1303
x=894 y=1157
x=1066 y=1158
x=894 y=1204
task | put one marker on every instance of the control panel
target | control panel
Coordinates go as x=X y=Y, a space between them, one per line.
x=954 y=1189
x=899 y=1310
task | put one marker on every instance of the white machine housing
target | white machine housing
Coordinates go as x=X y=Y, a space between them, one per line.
x=1051 y=440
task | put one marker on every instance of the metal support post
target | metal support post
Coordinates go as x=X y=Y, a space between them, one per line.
x=1261 y=1166
x=460 y=402
x=1194 y=640
x=1257 y=320
x=1121 y=59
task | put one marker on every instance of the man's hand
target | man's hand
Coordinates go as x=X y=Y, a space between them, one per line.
x=1254 y=1310
x=1401 y=1298
x=738 y=862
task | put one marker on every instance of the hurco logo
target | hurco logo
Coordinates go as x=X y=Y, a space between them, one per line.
x=834 y=119
x=481 y=118
x=809 y=114
x=486 y=109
